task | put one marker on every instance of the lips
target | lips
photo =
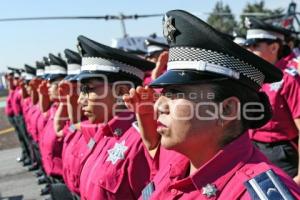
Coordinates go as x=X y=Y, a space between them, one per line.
x=159 y=124
x=161 y=128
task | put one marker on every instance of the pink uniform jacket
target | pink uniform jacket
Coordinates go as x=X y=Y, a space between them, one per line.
x=9 y=108
x=41 y=123
x=51 y=147
x=26 y=105
x=118 y=168
x=16 y=102
x=222 y=177
x=284 y=98
x=78 y=145
x=285 y=62
x=32 y=122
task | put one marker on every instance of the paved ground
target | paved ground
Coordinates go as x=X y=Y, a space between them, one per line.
x=16 y=183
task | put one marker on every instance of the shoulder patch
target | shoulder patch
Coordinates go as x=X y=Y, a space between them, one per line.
x=291 y=71
x=72 y=128
x=147 y=191
x=267 y=185
x=276 y=86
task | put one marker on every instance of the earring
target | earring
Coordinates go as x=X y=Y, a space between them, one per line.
x=119 y=100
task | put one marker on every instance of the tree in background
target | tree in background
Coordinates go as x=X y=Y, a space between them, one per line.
x=222 y=19
x=257 y=9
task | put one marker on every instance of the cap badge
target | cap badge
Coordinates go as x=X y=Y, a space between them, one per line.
x=117 y=152
x=168 y=28
x=182 y=73
x=209 y=190
x=79 y=49
x=247 y=22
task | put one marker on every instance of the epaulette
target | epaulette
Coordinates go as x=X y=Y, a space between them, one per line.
x=72 y=128
x=267 y=185
x=291 y=71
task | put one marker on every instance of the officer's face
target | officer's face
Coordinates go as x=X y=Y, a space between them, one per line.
x=97 y=101
x=15 y=81
x=184 y=117
x=264 y=50
x=53 y=89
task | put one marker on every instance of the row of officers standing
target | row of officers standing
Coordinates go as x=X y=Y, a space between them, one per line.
x=199 y=118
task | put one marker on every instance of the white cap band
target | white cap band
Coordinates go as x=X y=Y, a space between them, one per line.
x=73 y=69
x=263 y=34
x=101 y=64
x=56 y=69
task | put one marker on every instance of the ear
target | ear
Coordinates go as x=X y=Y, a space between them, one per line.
x=121 y=89
x=230 y=109
x=274 y=48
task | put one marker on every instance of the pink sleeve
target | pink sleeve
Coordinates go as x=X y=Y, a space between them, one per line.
x=17 y=103
x=291 y=93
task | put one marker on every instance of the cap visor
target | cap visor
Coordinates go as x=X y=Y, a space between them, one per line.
x=182 y=77
x=84 y=75
x=53 y=77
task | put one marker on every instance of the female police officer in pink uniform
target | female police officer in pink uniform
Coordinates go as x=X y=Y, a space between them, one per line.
x=117 y=168
x=210 y=99
x=50 y=146
x=278 y=138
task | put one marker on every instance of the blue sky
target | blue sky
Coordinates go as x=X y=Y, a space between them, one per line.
x=26 y=42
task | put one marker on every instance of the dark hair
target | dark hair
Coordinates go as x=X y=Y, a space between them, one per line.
x=229 y=88
x=283 y=51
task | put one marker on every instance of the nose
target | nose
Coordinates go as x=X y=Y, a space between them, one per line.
x=161 y=106
x=82 y=99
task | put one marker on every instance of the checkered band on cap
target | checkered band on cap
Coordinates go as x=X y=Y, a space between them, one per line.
x=113 y=66
x=29 y=76
x=47 y=69
x=73 y=69
x=207 y=60
x=40 y=72
x=56 y=69
x=23 y=74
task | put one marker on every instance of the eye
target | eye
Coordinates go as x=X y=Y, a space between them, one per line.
x=85 y=89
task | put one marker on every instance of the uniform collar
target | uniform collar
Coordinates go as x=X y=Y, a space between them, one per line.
x=282 y=63
x=120 y=123
x=218 y=170
x=90 y=130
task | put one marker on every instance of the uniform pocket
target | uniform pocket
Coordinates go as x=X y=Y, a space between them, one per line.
x=112 y=178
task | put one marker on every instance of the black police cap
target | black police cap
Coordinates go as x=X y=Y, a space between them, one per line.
x=57 y=68
x=198 y=52
x=114 y=63
x=154 y=46
x=74 y=64
x=30 y=72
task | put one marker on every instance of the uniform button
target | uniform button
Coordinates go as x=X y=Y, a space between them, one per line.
x=174 y=191
x=249 y=172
